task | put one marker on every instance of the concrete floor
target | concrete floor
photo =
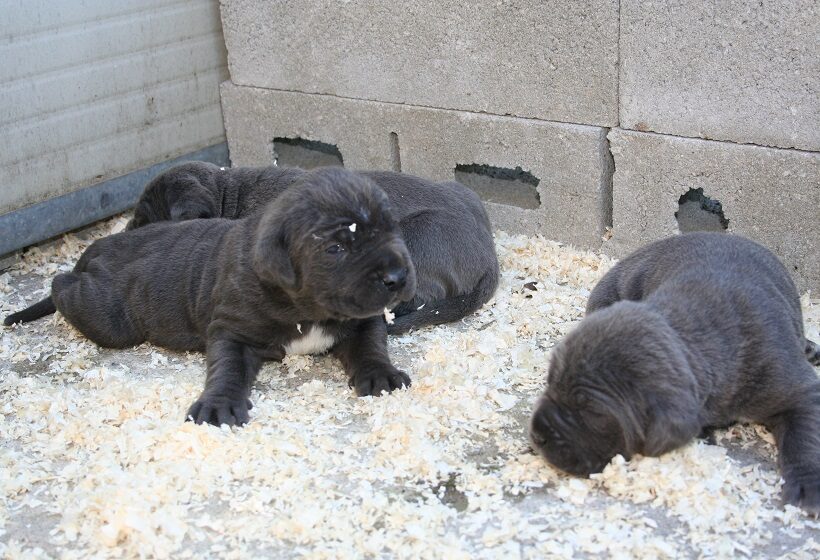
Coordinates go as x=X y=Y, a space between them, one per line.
x=96 y=461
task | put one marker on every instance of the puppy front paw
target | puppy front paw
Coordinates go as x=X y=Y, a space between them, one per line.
x=378 y=379
x=802 y=488
x=218 y=410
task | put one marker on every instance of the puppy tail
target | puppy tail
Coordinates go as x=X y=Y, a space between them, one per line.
x=447 y=310
x=813 y=352
x=32 y=313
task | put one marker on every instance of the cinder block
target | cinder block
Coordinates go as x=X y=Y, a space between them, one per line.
x=571 y=162
x=770 y=195
x=255 y=116
x=732 y=70
x=554 y=60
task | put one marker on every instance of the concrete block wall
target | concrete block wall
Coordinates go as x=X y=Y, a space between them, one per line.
x=615 y=109
x=552 y=60
x=767 y=194
x=735 y=70
x=565 y=156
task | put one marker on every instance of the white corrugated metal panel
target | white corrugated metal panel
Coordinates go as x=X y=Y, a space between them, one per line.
x=93 y=89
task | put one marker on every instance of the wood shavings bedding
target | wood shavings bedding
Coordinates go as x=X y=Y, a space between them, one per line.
x=96 y=461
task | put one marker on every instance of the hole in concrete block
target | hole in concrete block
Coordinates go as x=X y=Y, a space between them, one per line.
x=395 y=153
x=698 y=212
x=513 y=187
x=307 y=154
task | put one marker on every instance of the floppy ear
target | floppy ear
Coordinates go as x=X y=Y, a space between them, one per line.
x=669 y=401
x=191 y=210
x=671 y=423
x=271 y=259
x=145 y=212
x=188 y=199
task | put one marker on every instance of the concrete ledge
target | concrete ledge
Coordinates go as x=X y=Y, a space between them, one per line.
x=570 y=161
x=731 y=70
x=554 y=60
x=767 y=194
x=60 y=214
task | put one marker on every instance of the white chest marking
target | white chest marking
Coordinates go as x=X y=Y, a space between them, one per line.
x=316 y=341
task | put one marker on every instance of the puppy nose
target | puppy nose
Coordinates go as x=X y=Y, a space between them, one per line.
x=394 y=279
x=537 y=438
x=538 y=430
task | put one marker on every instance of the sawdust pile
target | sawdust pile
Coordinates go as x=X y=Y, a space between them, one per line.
x=96 y=460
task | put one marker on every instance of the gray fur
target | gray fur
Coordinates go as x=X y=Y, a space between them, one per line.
x=444 y=225
x=242 y=290
x=812 y=352
x=691 y=332
x=200 y=189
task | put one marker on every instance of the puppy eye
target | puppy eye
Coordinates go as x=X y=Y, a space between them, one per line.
x=333 y=249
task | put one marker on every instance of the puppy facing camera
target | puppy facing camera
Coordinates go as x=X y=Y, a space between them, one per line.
x=692 y=332
x=294 y=277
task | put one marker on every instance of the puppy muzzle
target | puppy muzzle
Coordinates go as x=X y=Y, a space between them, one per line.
x=560 y=443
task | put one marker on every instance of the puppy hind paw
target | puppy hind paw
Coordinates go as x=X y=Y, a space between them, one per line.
x=219 y=410
x=375 y=382
x=803 y=490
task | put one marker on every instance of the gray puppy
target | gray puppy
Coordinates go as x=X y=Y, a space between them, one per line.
x=313 y=271
x=444 y=226
x=695 y=331
x=199 y=189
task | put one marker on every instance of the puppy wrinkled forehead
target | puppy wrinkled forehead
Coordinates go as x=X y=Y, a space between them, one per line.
x=369 y=214
x=350 y=226
x=335 y=197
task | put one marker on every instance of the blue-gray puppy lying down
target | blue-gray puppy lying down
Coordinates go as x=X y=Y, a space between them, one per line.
x=312 y=272
x=444 y=225
x=695 y=331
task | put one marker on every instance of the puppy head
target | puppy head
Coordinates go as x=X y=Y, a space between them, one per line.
x=184 y=192
x=332 y=244
x=619 y=383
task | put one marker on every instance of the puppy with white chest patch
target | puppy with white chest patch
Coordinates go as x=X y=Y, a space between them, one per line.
x=312 y=272
x=696 y=331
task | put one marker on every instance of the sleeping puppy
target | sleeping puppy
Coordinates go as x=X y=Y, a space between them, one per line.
x=695 y=331
x=312 y=272
x=200 y=189
x=444 y=225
